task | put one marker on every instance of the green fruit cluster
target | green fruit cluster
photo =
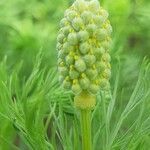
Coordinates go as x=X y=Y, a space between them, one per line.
x=83 y=45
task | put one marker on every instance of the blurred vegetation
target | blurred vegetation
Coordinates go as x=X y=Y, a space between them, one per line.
x=27 y=27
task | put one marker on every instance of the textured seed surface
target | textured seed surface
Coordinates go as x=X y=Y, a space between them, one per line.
x=83 y=45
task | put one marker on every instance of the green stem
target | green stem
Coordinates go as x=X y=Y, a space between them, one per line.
x=86 y=129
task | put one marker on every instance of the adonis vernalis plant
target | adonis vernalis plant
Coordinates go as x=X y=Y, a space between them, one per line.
x=83 y=45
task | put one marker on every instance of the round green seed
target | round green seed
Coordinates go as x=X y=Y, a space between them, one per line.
x=63 y=22
x=77 y=24
x=84 y=83
x=86 y=16
x=63 y=71
x=93 y=88
x=60 y=38
x=89 y=59
x=84 y=47
x=76 y=89
x=73 y=74
x=83 y=36
x=72 y=39
x=101 y=34
x=80 y=65
x=69 y=60
x=91 y=28
x=66 y=84
x=91 y=73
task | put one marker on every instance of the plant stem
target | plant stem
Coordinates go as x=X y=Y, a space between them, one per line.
x=85 y=102
x=86 y=129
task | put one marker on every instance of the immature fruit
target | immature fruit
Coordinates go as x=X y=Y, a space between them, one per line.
x=83 y=45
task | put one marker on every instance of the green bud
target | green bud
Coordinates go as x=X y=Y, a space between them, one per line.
x=106 y=44
x=100 y=66
x=66 y=84
x=63 y=22
x=69 y=60
x=104 y=84
x=94 y=5
x=76 y=89
x=99 y=20
x=72 y=38
x=60 y=38
x=84 y=47
x=99 y=52
x=66 y=48
x=63 y=71
x=58 y=46
x=61 y=54
x=73 y=74
x=77 y=24
x=71 y=15
x=106 y=57
x=91 y=28
x=91 y=73
x=83 y=36
x=80 y=5
x=107 y=74
x=104 y=14
x=80 y=65
x=84 y=82
x=93 y=88
x=89 y=59
x=101 y=34
x=86 y=16
x=109 y=29
x=66 y=30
